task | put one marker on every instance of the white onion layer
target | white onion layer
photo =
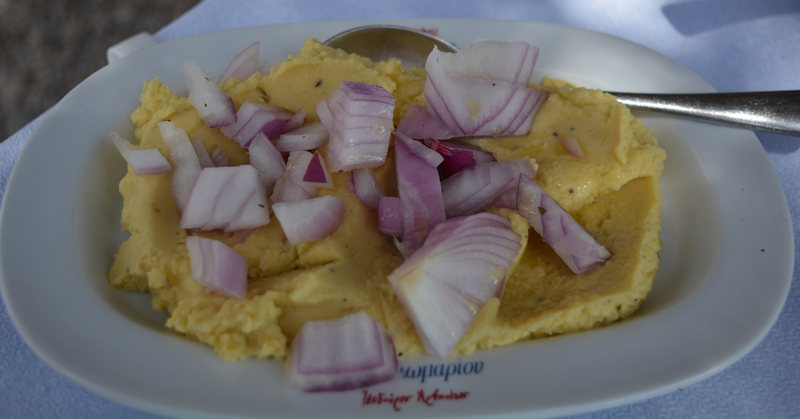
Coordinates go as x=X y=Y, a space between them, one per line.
x=243 y=64
x=307 y=137
x=483 y=90
x=444 y=284
x=340 y=354
x=202 y=154
x=229 y=198
x=290 y=185
x=217 y=266
x=211 y=102
x=309 y=219
x=267 y=160
x=358 y=118
x=420 y=193
x=184 y=159
x=571 y=242
x=365 y=185
x=253 y=118
x=143 y=161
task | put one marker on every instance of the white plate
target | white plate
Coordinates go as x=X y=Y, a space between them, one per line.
x=724 y=274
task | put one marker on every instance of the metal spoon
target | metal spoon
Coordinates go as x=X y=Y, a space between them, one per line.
x=777 y=111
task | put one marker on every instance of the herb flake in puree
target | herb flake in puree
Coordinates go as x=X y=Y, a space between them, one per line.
x=612 y=191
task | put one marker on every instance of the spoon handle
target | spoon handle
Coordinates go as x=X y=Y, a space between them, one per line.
x=777 y=111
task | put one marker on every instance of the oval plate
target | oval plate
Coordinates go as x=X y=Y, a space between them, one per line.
x=725 y=266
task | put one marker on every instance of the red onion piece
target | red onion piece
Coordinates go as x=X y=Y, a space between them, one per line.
x=572 y=145
x=479 y=107
x=202 y=154
x=229 y=197
x=430 y=156
x=358 y=118
x=219 y=157
x=476 y=188
x=317 y=172
x=341 y=354
x=309 y=219
x=243 y=64
x=365 y=185
x=420 y=194
x=296 y=121
x=143 y=161
x=212 y=103
x=511 y=61
x=267 y=160
x=521 y=167
x=217 y=266
x=420 y=124
x=476 y=97
x=571 y=242
x=253 y=118
x=444 y=284
x=184 y=160
x=458 y=156
x=290 y=185
x=308 y=137
x=390 y=216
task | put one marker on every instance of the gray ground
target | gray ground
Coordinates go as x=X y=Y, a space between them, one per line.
x=48 y=47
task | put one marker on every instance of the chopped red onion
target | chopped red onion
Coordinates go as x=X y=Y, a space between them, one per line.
x=358 y=118
x=511 y=61
x=420 y=194
x=572 y=145
x=475 y=189
x=229 y=197
x=341 y=354
x=212 y=103
x=143 y=161
x=267 y=160
x=390 y=216
x=308 y=137
x=317 y=172
x=253 y=118
x=202 y=154
x=420 y=124
x=521 y=167
x=243 y=64
x=365 y=185
x=309 y=219
x=444 y=284
x=184 y=160
x=571 y=242
x=290 y=185
x=219 y=157
x=217 y=266
x=296 y=121
x=458 y=156
x=430 y=156
x=475 y=97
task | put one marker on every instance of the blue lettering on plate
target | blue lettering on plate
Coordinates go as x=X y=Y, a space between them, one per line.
x=443 y=370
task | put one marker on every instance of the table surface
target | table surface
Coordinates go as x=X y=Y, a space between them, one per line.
x=735 y=45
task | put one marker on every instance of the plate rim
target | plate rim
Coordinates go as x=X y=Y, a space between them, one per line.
x=143 y=404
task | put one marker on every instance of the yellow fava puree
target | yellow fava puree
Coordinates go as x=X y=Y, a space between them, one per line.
x=613 y=192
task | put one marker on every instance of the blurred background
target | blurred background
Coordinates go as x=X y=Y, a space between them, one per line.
x=48 y=47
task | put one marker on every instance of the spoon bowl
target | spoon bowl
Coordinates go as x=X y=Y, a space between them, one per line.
x=764 y=111
x=380 y=42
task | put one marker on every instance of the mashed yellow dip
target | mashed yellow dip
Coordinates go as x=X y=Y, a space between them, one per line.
x=613 y=192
